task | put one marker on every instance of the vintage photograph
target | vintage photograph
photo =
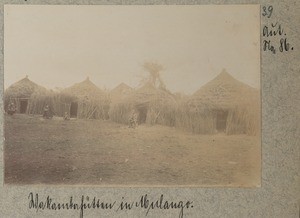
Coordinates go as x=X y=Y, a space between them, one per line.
x=138 y=96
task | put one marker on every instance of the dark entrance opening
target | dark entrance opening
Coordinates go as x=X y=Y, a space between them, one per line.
x=142 y=114
x=23 y=106
x=221 y=120
x=73 y=109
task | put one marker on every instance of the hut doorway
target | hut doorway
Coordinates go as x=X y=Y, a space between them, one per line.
x=23 y=106
x=73 y=109
x=142 y=114
x=221 y=120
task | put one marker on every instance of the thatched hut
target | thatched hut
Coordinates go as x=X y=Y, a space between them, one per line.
x=21 y=93
x=88 y=101
x=222 y=105
x=153 y=105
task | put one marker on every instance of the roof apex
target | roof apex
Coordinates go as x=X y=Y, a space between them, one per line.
x=224 y=75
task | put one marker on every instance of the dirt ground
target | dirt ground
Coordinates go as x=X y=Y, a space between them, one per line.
x=96 y=152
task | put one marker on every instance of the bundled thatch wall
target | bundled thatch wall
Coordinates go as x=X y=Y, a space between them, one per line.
x=155 y=113
x=93 y=108
x=203 y=122
x=161 y=113
x=242 y=118
x=120 y=112
x=153 y=106
x=59 y=103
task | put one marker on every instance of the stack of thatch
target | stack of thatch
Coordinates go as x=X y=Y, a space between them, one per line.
x=93 y=103
x=153 y=106
x=224 y=93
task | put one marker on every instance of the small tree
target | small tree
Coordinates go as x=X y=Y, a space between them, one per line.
x=154 y=70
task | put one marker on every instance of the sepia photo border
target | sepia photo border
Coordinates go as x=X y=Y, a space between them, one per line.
x=278 y=195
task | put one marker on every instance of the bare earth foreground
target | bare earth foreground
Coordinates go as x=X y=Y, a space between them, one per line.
x=96 y=152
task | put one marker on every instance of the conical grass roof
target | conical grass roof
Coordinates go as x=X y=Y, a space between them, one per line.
x=149 y=93
x=84 y=89
x=121 y=88
x=224 y=91
x=24 y=89
x=120 y=92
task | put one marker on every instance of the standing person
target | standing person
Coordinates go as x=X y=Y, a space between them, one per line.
x=46 y=111
x=133 y=120
x=11 y=108
x=66 y=116
x=51 y=113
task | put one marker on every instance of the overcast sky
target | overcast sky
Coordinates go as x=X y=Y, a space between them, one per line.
x=57 y=46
